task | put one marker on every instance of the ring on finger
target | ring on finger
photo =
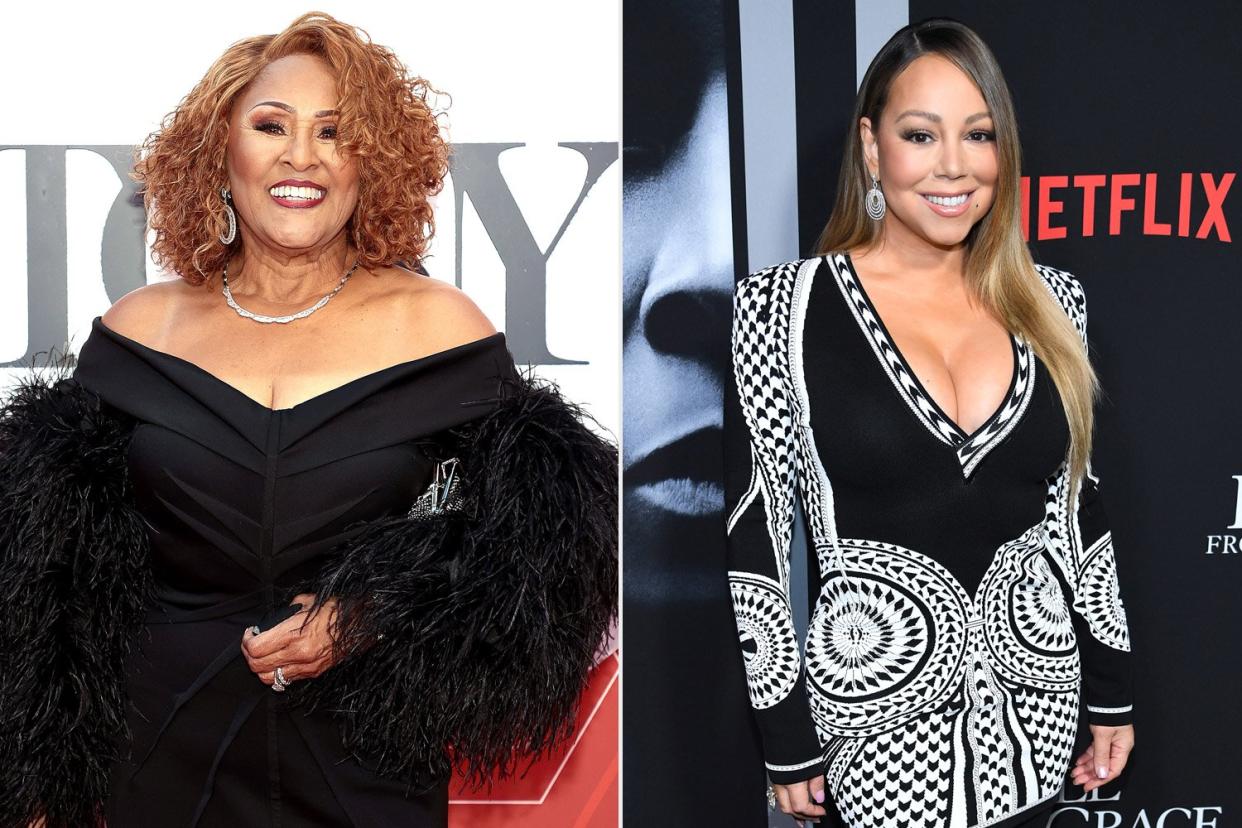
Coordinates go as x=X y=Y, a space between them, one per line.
x=279 y=682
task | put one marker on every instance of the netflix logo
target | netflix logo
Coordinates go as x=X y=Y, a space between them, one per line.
x=1147 y=204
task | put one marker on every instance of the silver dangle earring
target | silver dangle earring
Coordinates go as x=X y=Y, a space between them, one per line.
x=228 y=237
x=875 y=200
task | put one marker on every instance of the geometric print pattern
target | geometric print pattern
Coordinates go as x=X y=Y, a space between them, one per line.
x=1039 y=614
x=903 y=609
x=1069 y=293
x=1099 y=595
x=899 y=778
x=1052 y=722
x=760 y=365
x=1028 y=628
x=769 y=644
x=1092 y=573
x=957 y=765
x=1000 y=664
x=993 y=772
x=874 y=635
x=934 y=707
x=970 y=448
x=840 y=755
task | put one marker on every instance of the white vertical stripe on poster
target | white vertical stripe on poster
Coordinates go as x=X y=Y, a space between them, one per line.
x=770 y=124
x=875 y=21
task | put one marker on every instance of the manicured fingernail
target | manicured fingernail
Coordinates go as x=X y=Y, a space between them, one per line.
x=1101 y=772
x=819 y=796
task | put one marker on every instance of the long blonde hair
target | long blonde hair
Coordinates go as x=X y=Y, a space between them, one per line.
x=1000 y=273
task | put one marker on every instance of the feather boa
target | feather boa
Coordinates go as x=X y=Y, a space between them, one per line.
x=74 y=576
x=462 y=637
x=476 y=628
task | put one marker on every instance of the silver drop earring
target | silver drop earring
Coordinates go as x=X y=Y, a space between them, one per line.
x=228 y=237
x=875 y=200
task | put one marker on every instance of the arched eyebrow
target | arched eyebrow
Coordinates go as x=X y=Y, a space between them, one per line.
x=323 y=113
x=932 y=116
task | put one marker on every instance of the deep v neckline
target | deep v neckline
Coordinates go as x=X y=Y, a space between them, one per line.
x=914 y=377
x=970 y=447
x=372 y=376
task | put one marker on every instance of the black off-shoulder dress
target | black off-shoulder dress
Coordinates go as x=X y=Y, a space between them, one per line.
x=233 y=508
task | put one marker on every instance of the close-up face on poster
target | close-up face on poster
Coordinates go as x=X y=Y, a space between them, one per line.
x=739 y=413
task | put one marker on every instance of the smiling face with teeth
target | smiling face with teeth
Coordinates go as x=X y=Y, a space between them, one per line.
x=934 y=152
x=293 y=192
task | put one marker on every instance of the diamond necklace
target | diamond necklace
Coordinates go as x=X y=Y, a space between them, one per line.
x=258 y=317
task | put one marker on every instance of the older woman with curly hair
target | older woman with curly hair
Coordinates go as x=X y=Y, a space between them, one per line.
x=299 y=468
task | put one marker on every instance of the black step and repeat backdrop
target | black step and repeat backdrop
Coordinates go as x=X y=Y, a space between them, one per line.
x=734 y=118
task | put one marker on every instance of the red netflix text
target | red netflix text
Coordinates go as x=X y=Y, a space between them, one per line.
x=1082 y=205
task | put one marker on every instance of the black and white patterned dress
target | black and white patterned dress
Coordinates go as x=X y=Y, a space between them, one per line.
x=961 y=606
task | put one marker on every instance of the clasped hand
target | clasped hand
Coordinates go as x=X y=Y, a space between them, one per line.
x=1104 y=760
x=802 y=800
x=300 y=653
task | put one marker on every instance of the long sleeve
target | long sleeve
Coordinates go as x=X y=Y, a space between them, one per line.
x=1080 y=540
x=466 y=630
x=75 y=577
x=760 y=491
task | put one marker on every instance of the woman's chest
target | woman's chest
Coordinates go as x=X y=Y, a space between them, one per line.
x=876 y=429
x=220 y=521
x=955 y=351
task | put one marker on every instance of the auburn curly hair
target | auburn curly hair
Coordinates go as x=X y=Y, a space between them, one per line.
x=386 y=124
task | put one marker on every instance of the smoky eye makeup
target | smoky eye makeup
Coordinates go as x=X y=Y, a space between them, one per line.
x=273 y=126
x=913 y=135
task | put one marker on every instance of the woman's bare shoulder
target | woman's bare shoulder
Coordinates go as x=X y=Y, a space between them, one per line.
x=144 y=313
x=436 y=314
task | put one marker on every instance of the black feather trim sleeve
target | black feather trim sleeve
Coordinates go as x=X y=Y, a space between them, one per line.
x=474 y=628
x=74 y=577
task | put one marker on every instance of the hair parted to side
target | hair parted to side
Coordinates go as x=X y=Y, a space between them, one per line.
x=386 y=124
x=1000 y=272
